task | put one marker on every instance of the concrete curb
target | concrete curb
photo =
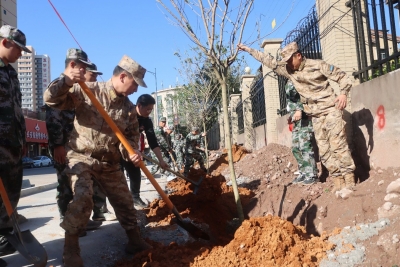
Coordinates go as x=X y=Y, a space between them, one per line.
x=37 y=189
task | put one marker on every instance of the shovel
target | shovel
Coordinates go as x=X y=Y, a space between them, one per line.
x=196 y=184
x=188 y=226
x=24 y=241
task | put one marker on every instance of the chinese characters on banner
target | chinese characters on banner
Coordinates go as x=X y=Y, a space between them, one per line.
x=36 y=131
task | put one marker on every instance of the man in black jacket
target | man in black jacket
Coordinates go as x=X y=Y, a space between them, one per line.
x=144 y=106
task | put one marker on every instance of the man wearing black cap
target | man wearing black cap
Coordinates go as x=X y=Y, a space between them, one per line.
x=12 y=127
x=92 y=73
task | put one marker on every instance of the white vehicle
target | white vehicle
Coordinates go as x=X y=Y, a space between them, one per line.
x=41 y=161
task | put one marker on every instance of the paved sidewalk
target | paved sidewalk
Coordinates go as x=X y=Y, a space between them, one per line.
x=100 y=247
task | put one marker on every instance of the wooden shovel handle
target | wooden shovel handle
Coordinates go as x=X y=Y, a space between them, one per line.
x=125 y=142
x=5 y=198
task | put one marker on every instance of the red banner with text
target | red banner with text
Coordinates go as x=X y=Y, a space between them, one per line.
x=36 y=131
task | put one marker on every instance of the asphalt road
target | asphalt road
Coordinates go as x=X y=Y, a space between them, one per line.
x=40 y=176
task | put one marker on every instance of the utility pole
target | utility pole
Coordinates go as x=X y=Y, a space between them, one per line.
x=156 y=109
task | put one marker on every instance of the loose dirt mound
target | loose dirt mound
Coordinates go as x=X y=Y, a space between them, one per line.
x=266 y=241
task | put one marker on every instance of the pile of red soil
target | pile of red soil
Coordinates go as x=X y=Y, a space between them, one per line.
x=264 y=241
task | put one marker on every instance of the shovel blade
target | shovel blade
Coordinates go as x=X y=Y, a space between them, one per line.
x=29 y=248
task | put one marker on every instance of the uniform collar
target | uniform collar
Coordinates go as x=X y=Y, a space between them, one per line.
x=111 y=91
x=2 y=64
x=302 y=64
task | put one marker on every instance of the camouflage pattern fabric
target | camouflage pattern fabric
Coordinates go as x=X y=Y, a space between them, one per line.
x=12 y=137
x=94 y=151
x=332 y=143
x=82 y=171
x=165 y=146
x=302 y=135
x=166 y=157
x=311 y=81
x=59 y=124
x=193 y=141
x=179 y=145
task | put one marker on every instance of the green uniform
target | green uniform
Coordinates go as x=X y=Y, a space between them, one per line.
x=192 y=142
x=165 y=147
x=302 y=135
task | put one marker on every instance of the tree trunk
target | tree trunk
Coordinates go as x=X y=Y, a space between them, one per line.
x=206 y=146
x=228 y=143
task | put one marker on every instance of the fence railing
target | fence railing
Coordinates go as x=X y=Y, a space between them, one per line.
x=306 y=35
x=257 y=97
x=213 y=137
x=375 y=36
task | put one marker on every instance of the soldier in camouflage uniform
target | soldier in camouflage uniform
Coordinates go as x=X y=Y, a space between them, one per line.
x=193 y=148
x=59 y=124
x=12 y=127
x=302 y=135
x=94 y=151
x=312 y=78
x=164 y=144
x=179 y=146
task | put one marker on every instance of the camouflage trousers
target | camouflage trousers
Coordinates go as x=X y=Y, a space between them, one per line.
x=302 y=148
x=11 y=172
x=189 y=161
x=179 y=158
x=166 y=157
x=65 y=195
x=332 y=144
x=81 y=171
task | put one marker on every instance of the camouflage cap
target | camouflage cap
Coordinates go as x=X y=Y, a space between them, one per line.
x=93 y=68
x=163 y=119
x=74 y=53
x=288 y=51
x=133 y=68
x=15 y=35
x=195 y=129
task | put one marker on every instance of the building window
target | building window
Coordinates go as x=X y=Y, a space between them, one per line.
x=4 y=11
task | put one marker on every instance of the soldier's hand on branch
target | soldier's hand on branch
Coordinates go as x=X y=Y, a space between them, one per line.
x=243 y=47
x=341 y=102
x=60 y=154
x=74 y=75
x=136 y=158
x=297 y=115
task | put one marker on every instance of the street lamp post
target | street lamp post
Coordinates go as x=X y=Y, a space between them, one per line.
x=156 y=109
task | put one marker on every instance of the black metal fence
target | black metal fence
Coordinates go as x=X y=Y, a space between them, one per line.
x=239 y=112
x=376 y=38
x=258 y=99
x=306 y=34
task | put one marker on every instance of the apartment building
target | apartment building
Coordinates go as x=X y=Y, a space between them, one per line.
x=34 y=77
x=166 y=106
x=8 y=13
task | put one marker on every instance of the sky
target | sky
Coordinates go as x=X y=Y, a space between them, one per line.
x=107 y=30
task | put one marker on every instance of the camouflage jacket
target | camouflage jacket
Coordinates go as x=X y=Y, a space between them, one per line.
x=192 y=141
x=59 y=124
x=293 y=99
x=12 y=121
x=91 y=135
x=311 y=81
x=163 y=139
x=179 y=144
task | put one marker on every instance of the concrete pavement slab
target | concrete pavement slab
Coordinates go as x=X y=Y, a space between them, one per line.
x=101 y=247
